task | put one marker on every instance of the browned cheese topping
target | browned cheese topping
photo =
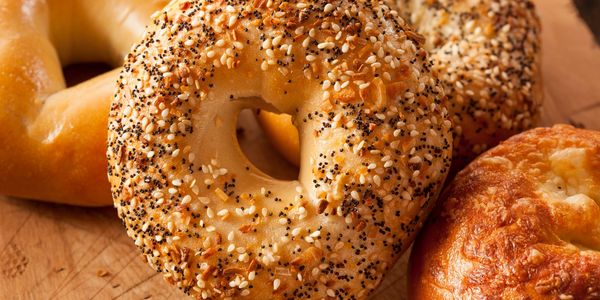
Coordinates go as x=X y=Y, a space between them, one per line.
x=522 y=221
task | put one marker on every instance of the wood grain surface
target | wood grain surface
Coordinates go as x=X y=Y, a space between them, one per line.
x=52 y=251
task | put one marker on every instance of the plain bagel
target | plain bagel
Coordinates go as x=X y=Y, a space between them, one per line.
x=375 y=136
x=54 y=137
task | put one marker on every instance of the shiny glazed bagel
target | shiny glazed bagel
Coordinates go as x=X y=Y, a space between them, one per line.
x=375 y=136
x=53 y=137
x=522 y=221
x=487 y=56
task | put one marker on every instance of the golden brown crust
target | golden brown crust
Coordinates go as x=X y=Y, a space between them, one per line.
x=53 y=137
x=522 y=221
x=376 y=145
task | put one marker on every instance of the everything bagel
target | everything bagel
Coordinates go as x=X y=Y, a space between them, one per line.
x=375 y=135
x=53 y=137
x=487 y=54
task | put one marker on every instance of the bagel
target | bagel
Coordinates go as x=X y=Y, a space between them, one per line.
x=53 y=137
x=376 y=146
x=522 y=221
x=487 y=55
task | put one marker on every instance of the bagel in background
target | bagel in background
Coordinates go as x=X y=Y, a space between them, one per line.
x=522 y=221
x=54 y=138
x=487 y=55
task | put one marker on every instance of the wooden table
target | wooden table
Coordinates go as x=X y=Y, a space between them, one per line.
x=52 y=251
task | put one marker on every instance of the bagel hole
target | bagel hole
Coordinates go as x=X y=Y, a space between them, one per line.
x=259 y=150
x=79 y=72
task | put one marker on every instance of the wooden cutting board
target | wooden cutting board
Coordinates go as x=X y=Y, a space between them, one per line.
x=60 y=252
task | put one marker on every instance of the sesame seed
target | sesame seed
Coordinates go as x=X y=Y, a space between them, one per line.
x=326 y=45
x=371 y=59
x=296 y=231
x=364 y=85
x=330 y=293
x=415 y=160
x=243 y=285
x=345 y=47
x=377 y=180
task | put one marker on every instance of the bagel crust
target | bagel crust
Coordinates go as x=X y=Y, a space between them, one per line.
x=520 y=222
x=375 y=135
